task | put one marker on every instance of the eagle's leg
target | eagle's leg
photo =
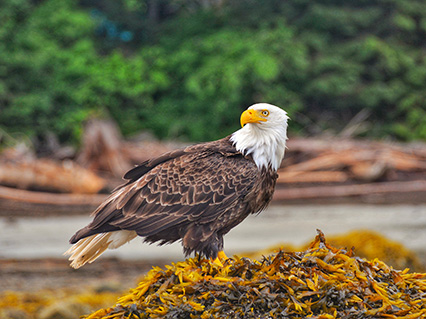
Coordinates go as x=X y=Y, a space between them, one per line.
x=202 y=239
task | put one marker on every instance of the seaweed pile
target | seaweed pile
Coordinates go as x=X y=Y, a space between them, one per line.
x=320 y=282
x=52 y=304
x=368 y=244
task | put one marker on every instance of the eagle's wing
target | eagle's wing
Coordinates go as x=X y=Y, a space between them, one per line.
x=166 y=195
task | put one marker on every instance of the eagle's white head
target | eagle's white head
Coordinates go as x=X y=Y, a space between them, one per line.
x=263 y=134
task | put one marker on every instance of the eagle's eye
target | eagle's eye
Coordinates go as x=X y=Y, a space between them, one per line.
x=265 y=113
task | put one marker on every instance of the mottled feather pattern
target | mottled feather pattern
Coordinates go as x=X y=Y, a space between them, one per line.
x=213 y=191
x=196 y=194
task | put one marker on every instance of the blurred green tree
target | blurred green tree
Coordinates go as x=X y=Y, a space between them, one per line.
x=186 y=68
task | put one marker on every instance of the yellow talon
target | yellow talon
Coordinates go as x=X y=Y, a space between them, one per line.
x=221 y=255
x=218 y=262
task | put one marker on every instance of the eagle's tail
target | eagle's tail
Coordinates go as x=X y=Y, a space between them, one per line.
x=86 y=250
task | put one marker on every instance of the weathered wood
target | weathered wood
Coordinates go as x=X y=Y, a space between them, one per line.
x=101 y=150
x=323 y=162
x=145 y=150
x=339 y=159
x=312 y=177
x=349 y=190
x=369 y=171
x=20 y=195
x=18 y=202
x=312 y=161
x=49 y=175
x=319 y=145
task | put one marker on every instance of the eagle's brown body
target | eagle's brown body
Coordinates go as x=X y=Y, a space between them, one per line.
x=196 y=194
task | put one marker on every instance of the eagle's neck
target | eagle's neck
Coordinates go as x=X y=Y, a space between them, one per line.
x=266 y=145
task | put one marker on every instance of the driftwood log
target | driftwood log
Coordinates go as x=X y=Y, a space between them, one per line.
x=48 y=175
x=102 y=148
x=343 y=160
x=312 y=169
x=334 y=191
x=19 y=202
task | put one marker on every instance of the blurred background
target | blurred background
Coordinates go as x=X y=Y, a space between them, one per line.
x=90 y=88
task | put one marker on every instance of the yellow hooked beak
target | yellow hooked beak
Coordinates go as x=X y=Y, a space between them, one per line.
x=251 y=116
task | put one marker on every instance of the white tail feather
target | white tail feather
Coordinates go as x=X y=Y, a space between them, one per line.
x=86 y=250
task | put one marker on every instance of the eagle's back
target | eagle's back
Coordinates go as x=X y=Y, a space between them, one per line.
x=196 y=194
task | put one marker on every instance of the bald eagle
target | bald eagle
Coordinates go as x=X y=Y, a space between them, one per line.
x=196 y=194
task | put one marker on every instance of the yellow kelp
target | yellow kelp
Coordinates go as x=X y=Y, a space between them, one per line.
x=320 y=282
x=368 y=244
x=58 y=303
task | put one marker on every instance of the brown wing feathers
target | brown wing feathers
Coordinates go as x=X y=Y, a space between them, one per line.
x=188 y=194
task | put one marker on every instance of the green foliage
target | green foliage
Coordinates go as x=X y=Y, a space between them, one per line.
x=193 y=66
x=217 y=76
x=55 y=79
x=40 y=44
